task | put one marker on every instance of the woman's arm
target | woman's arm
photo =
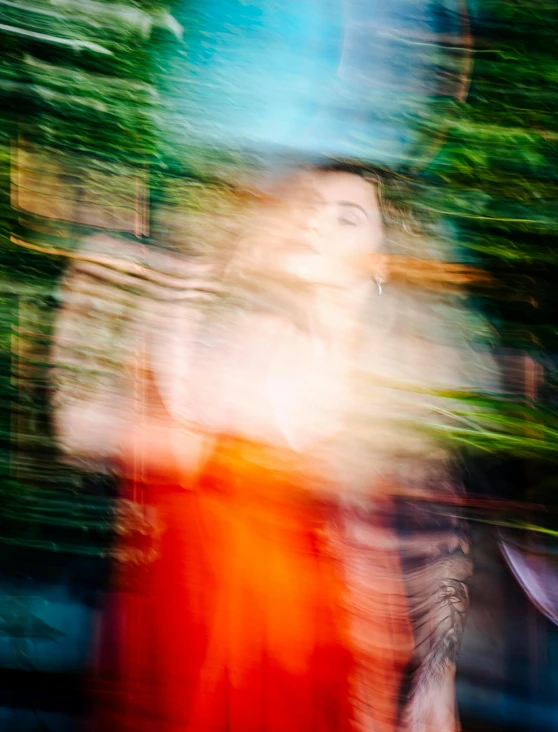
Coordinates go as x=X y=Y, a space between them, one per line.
x=96 y=335
x=407 y=566
x=437 y=567
x=107 y=409
x=153 y=446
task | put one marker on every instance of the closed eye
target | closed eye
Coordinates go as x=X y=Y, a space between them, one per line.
x=351 y=214
x=350 y=218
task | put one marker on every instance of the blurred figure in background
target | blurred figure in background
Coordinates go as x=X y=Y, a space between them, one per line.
x=267 y=414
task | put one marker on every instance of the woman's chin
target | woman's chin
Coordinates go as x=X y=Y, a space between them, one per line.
x=312 y=270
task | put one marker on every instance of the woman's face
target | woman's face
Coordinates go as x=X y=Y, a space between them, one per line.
x=321 y=229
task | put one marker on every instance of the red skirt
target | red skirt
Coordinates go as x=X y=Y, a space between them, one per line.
x=238 y=622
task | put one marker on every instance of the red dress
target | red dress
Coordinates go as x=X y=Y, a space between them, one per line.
x=238 y=624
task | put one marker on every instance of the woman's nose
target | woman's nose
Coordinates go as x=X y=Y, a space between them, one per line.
x=312 y=220
x=311 y=225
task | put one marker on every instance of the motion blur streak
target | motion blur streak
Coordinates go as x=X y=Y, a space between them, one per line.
x=276 y=360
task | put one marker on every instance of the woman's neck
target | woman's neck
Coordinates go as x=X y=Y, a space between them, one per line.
x=334 y=315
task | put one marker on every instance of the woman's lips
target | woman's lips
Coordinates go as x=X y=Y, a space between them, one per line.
x=302 y=245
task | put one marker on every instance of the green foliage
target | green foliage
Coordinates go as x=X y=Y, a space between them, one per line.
x=78 y=81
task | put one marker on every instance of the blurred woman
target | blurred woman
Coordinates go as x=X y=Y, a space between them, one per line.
x=272 y=449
